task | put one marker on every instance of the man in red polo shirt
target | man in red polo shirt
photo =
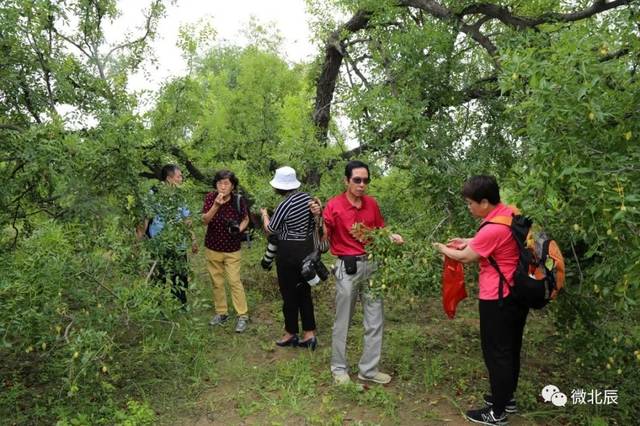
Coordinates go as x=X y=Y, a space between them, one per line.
x=352 y=273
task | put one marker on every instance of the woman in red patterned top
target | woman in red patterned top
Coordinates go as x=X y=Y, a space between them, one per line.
x=226 y=218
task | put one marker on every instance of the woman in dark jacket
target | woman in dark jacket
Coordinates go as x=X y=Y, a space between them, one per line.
x=292 y=223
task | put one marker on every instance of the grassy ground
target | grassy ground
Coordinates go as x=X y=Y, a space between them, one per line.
x=436 y=364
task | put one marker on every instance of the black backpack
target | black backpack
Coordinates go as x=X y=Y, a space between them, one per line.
x=539 y=275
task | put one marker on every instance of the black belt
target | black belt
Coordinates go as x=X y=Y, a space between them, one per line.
x=360 y=258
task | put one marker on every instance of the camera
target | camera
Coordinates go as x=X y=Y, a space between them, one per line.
x=313 y=270
x=233 y=226
x=270 y=254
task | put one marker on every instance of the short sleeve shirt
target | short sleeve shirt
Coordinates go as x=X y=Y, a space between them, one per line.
x=218 y=237
x=158 y=223
x=495 y=240
x=340 y=215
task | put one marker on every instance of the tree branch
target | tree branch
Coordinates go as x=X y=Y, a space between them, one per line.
x=334 y=52
x=75 y=44
x=351 y=62
x=438 y=11
x=193 y=170
x=148 y=27
x=615 y=55
x=476 y=90
x=326 y=81
x=11 y=127
x=503 y=14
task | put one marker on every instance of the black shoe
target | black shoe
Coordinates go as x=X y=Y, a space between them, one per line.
x=309 y=343
x=291 y=341
x=485 y=416
x=510 y=408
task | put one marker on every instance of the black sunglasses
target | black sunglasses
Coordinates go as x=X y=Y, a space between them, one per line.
x=359 y=180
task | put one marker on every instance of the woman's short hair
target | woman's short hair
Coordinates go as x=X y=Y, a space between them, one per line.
x=482 y=187
x=226 y=174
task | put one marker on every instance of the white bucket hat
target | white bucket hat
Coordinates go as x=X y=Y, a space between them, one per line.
x=285 y=179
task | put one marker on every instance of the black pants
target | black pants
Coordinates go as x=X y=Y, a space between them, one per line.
x=501 y=330
x=296 y=293
x=175 y=266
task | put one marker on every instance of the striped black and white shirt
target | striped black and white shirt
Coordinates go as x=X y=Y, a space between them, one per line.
x=292 y=219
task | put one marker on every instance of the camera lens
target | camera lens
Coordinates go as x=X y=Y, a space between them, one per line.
x=270 y=254
x=310 y=276
x=322 y=271
x=233 y=227
x=309 y=268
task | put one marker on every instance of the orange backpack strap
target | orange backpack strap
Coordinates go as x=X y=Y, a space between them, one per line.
x=556 y=255
x=502 y=220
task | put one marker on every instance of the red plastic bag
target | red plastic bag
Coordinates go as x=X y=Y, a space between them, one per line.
x=453 y=290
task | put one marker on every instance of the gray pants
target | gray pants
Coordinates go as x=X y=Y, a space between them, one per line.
x=348 y=289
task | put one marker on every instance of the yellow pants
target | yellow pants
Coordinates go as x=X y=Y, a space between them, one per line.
x=219 y=264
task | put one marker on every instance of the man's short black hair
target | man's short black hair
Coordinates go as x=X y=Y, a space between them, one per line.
x=226 y=174
x=355 y=164
x=482 y=187
x=168 y=170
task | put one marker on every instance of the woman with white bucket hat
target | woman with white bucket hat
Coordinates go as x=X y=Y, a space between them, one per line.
x=292 y=222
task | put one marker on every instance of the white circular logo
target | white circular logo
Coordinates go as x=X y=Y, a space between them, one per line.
x=548 y=391
x=559 y=399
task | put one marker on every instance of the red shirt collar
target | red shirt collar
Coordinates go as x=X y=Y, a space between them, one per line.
x=347 y=204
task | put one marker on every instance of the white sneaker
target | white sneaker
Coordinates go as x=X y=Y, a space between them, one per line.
x=341 y=378
x=241 y=325
x=379 y=377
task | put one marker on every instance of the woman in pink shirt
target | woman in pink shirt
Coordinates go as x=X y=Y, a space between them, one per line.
x=502 y=319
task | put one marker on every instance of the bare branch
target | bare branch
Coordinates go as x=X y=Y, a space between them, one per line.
x=615 y=55
x=148 y=30
x=438 y=11
x=15 y=228
x=75 y=44
x=11 y=127
x=348 y=68
x=193 y=170
x=349 y=43
x=474 y=32
x=28 y=97
x=356 y=70
x=66 y=331
x=102 y=284
x=503 y=14
x=153 y=267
